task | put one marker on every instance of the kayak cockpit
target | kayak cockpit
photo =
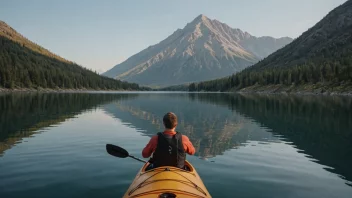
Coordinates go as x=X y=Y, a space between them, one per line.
x=148 y=167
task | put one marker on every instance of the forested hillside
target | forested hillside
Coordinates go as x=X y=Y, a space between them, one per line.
x=24 y=64
x=321 y=57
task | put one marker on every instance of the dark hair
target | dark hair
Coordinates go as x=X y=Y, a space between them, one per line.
x=170 y=120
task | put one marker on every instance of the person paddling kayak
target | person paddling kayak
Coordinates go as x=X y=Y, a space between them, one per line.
x=169 y=148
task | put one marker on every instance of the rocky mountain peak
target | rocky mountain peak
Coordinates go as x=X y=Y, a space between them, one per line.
x=204 y=49
x=201 y=18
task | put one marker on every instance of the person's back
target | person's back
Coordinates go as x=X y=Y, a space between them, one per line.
x=169 y=148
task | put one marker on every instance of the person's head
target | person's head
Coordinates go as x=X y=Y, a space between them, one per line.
x=170 y=120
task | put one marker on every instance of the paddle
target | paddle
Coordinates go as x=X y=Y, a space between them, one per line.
x=120 y=152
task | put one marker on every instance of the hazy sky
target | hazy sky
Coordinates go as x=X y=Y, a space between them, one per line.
x=100 y=34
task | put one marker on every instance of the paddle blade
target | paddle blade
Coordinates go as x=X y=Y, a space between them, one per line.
x=116 y=151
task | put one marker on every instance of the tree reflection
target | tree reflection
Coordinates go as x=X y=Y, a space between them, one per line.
x=23 y=114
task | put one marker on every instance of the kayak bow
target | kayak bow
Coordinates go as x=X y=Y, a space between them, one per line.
x=167 y=182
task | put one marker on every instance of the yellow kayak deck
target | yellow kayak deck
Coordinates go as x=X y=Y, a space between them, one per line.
x=167 y=179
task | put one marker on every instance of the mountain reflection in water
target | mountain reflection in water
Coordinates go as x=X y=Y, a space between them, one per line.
x=320 y=127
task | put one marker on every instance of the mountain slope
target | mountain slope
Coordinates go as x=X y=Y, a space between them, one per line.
x=204 y=49
x=321 y=56
x=24 y=64
x=11 y=34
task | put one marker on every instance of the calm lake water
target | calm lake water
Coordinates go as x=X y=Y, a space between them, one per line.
x=53 y=145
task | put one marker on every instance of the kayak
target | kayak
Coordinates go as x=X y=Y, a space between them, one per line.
x=167 y=182
x=163 y=182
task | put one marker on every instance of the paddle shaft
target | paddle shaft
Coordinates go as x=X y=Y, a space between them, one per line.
x=136 y=158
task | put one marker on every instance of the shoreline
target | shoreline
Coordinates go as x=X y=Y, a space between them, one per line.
x=47 y=90
x=295 y=93
x=299 y=90
x=262 y=90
